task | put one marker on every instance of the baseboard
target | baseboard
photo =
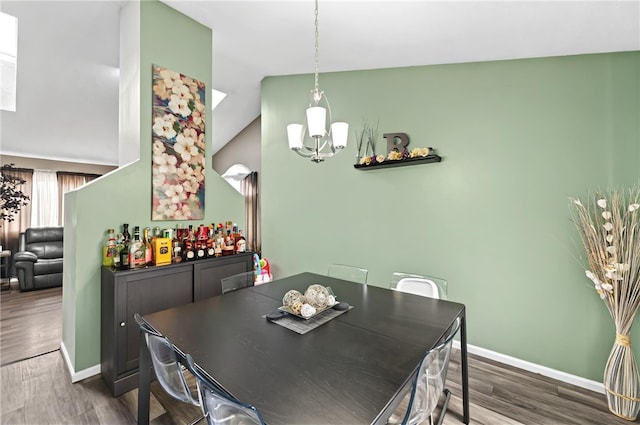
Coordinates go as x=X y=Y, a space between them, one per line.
x=83 y=374
x=533 y=367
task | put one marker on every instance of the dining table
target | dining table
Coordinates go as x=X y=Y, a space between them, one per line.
x=354 y=369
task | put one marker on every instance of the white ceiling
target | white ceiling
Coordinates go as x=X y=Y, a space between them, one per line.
x=68 y=54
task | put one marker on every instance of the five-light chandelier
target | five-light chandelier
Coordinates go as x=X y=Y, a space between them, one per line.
x=322 y=141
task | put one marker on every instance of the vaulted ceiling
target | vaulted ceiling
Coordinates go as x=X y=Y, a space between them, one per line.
x=68 y=54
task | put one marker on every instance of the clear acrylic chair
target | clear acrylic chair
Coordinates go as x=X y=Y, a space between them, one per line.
x=425 y=286
x=429 y=383
x=167 y=368
x=237 y=281
x=220 y=408
x=350 y=273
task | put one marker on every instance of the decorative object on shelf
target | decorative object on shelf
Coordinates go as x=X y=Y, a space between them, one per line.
x=178 y=153
x=609 y=228
x=323 y=141
x=397 y=152
x=366 y=142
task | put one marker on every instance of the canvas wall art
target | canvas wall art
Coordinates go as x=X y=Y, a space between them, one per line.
x=178 y=147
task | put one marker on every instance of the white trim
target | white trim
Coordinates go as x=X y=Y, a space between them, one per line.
x=59 y=158
x=536 y=368
x=83 y=374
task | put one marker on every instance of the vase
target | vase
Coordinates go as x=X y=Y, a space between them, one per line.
x=621 y=380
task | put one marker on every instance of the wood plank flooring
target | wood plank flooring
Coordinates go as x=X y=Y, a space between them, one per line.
x=30 y=323
x=38 y=390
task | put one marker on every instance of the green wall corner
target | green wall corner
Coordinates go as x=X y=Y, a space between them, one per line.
x=124 y=195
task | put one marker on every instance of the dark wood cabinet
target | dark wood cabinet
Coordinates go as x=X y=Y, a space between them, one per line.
x=144 y=291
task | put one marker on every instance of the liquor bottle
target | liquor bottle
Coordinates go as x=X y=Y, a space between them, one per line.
x=235 y=236
x=211 y=242
x=119 y=247
x=109 y=250
x=228 y=246
x=126 y=234
x=201 y=242
x=176 y=246
x=124 y=256
x=218 y=243
x=241 y=243
x=189 y=249
x=137 y=250
x=148 y=249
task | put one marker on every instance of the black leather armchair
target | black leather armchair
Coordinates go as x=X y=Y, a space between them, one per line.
x=38 y=261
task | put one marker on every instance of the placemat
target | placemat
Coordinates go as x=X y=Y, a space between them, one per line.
x=303 y=326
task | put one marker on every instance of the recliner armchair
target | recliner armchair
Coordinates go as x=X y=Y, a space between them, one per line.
x=38 y=261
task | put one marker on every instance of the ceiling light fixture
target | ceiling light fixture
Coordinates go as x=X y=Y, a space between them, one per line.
x=323 y=142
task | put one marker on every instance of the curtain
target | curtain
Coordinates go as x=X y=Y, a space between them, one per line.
x=67 y=182
x=252 y=206
x=11 y=229
x=44 y=200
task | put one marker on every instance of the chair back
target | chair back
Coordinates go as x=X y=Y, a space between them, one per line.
x=165 y=364
x=430 y=379
x=221 y=408
x=425 y=286
x=350 y=273
x=237 y=281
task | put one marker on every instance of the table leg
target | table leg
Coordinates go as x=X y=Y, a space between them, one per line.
x=465 y=369
x=144 y=382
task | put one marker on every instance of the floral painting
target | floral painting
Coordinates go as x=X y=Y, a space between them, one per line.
x=178 y=146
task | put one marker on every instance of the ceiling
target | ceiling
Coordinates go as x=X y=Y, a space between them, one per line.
x=68 y=54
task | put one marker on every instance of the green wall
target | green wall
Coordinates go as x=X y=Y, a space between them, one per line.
x=124 y=196
x=518 y=138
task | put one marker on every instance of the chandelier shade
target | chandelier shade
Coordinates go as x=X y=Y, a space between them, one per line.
x=317 y=137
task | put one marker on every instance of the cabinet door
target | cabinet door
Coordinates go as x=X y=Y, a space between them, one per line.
x=147 y=292
x=207 y=275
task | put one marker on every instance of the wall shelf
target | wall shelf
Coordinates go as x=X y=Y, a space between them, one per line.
x=400 y=163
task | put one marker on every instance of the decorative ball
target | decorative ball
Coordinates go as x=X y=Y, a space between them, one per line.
x=307 y=310
x=296 y=307
x=317 y=296
x=291 y=297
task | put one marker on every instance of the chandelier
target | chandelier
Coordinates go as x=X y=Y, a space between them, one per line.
x=323 y=141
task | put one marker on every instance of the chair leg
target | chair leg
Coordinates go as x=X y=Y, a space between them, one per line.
x=447 y=394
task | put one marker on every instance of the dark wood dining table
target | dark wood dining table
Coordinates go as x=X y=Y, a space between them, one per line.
x=354 y=369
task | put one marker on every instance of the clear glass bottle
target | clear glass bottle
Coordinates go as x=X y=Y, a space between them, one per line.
x=176 y=246
x=148 y=249
x=109 y=250
x=137 y=250
x=119 y=246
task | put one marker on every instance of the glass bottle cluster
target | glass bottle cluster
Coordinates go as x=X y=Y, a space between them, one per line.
x=122 y=251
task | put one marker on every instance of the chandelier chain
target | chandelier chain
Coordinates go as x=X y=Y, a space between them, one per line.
x=317 y=84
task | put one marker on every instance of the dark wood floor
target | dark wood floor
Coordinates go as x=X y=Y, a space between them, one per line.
x=38 y=390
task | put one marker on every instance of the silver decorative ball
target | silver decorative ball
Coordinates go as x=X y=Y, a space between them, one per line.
x=317 y=296
x=291 y=297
